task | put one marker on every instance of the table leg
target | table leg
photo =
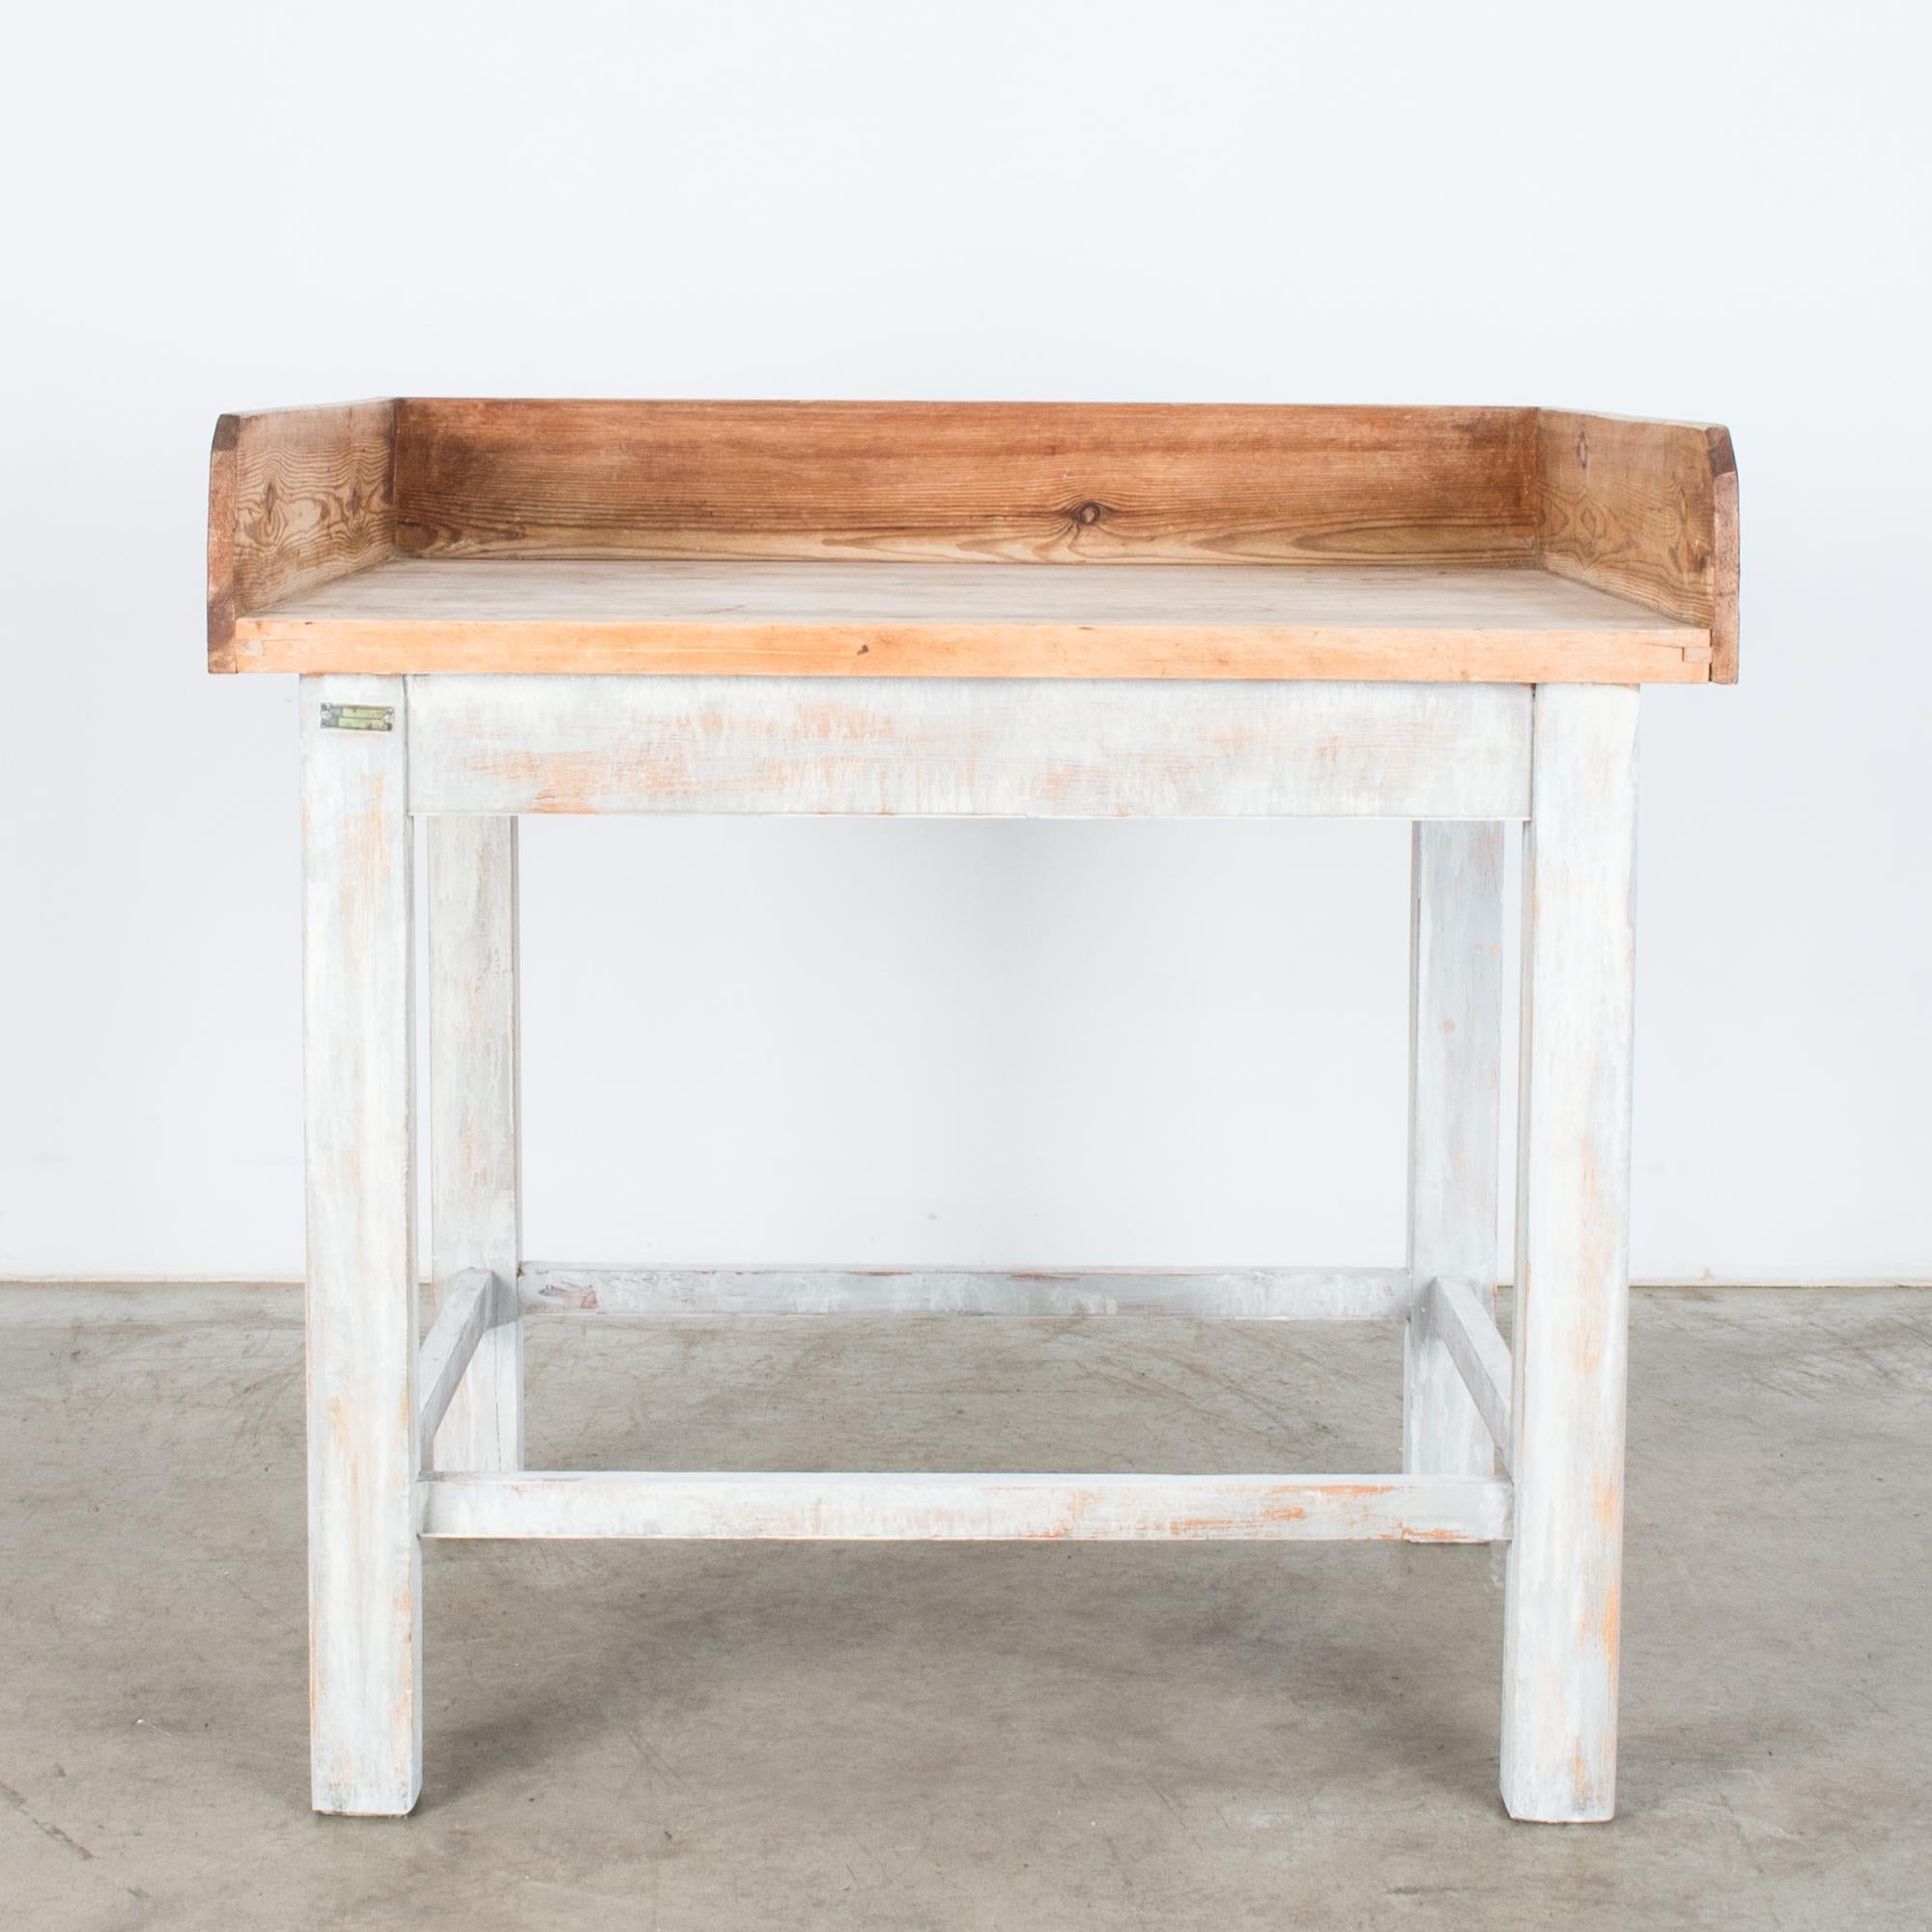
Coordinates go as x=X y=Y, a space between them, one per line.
x=1561 y=1614
x=1454 y=1063
x=475 y=1206
x=358 y=1052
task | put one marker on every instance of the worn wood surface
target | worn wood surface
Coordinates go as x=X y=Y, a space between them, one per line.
x=1455 y=1117
x=972 y=621
x=969 y=748
x=461 y=1323
x=970 y=1508
x=1261 y=1294
x=1462 y=1314
x=1562 y=1604
x=295 y=499
x=1646 y=509
x=358 y=1084
x=475 y=1196
x=966 y=481
x=640 y=536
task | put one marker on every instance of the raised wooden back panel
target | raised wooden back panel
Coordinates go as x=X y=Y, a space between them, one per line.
x=1032 y=483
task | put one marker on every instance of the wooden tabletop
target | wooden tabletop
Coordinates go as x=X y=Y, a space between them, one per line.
x=958 y=540
x=1498 y=625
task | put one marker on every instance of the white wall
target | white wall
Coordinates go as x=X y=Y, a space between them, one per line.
x=854 y=1040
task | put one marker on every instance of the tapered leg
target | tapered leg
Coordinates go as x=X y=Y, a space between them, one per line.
x=1561 y=1615
x=1455 y=1077
x=358 y=1054
x=475 y=1218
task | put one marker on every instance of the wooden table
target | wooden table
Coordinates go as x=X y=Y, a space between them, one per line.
x=1439 y=615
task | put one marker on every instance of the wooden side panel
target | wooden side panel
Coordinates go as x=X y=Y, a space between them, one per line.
x=295 y=498
x=1648 y=510
x=965 y=481
x=1454 y=1115
x=1562 y=1602
x=358 y=1087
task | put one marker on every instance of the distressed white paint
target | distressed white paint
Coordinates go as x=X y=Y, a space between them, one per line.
x=461 y=1323
x=969 y=747
x=989 y=1508
x=1276 y=1295
x=1455 y=1077
x=490 y=747
x=1462 y=1317
x=359 y=1056
x=1562 y=1604
x=475 y=1210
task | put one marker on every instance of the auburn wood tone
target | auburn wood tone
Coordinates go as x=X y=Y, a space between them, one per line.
x=961 y=482
x=1644 y=513
x=1649 y=510
x=295 y=498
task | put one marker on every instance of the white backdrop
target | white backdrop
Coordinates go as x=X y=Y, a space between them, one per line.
x=868 y=1041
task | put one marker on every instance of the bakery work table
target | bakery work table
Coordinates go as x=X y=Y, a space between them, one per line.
x=1015 y=610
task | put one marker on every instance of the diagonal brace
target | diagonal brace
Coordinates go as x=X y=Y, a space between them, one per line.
x=1468 y=1332
x=464 y=1314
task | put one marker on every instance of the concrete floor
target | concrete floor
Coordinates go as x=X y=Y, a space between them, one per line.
x=805 y=1735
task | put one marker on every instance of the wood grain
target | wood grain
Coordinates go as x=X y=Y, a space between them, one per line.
x=1649 y=510
x=964 y=481
x=724 y=620
x=300 y=499
x=971 y=1508
x=295 y=499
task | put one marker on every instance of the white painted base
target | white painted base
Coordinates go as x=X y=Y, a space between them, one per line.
x=1562 y=1604
x=476 y=751
x=1255 y=1294
x=967 y=1508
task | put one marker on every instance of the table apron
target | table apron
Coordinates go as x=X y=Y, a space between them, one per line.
x=968 y=748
